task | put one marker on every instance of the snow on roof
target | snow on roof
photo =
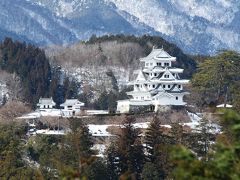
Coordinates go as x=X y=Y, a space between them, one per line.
x=50 y=132
x=46 y=101
x=158 y=54
x=223 y=105
x=141 y=76
x=71 y=102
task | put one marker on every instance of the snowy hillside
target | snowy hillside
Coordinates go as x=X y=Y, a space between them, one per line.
x=195 y=26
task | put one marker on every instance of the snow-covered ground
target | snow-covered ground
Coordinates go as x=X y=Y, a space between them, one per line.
x=56 y=113
x=50 y=132
x=195 y=122
x=41 y=113
x=195 y=119
x=101 y=148
x=99 y=130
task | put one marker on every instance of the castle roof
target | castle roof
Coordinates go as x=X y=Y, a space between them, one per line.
x=71 y=102
x=141 y=76
x=46 y=101
x=158 y=54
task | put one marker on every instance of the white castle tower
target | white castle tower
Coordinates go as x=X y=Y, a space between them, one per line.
x=157 y=84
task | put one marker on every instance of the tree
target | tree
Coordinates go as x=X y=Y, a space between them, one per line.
x=129 y=152
x=82 y=160
x=217 y=77
x=157 y=146
x=223 y=162
x=12 y=163
x=153 y=137
x=150 y=172
x=30 y=65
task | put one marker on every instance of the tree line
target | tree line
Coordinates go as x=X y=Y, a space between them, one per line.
x=156 y=153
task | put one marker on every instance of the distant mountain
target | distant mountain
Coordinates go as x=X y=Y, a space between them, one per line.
x=195 y=26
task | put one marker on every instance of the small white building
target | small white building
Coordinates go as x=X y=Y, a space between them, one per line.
x=46 y=103
x=71 y=107
x=157 y=84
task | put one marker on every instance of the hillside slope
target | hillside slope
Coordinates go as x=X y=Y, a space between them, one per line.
x=195 y=26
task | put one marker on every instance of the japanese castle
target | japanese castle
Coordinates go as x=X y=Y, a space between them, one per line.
x=156 y=85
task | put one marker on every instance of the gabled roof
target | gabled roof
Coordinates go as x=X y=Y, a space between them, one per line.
x=46 y=101
x=141 y=76
x=71 y=102
x=158 y=54
x=167 y=72
x=175 y=88
x=163 y=54
x=163 y=94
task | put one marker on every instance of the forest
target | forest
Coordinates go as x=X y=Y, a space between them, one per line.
x=131 y=153
x=158 y=154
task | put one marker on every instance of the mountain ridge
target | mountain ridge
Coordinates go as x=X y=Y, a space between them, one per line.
x=196 y=27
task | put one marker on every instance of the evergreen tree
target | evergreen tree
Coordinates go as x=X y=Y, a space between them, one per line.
x=11 y=152
x=153 y=137
x=222 y=163
x=217 y=78
x=130 y=158
x=150 y=172
x=79 y=162
x=30 y=64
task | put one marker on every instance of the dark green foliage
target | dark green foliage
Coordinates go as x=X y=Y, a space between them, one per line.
x=113 y=80
x=30 y=64
x=62 y=87
x=221 y=163
x=112 y=162
x=158 y=145
x=44 y=150
x=107 y=101
x=150 y=172
x=147 y=42
x=129 y=157
x=97 y=170
x=81 y=162
x=12 y=164
x=217 y=79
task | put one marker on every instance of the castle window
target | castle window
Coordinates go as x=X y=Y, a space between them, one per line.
x=153 y=85
x=176 y=98
x=179 y=86
x=169 y=86
x=146 y=64
x=164 y=86
x=155 y=74
x=166 y=64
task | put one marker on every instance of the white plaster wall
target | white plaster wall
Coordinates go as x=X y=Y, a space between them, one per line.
x=123 y=106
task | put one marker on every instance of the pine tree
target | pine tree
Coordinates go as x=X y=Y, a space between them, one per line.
x=157 y=147
x=218 y=76
x=129 y=150
x=79 y=142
